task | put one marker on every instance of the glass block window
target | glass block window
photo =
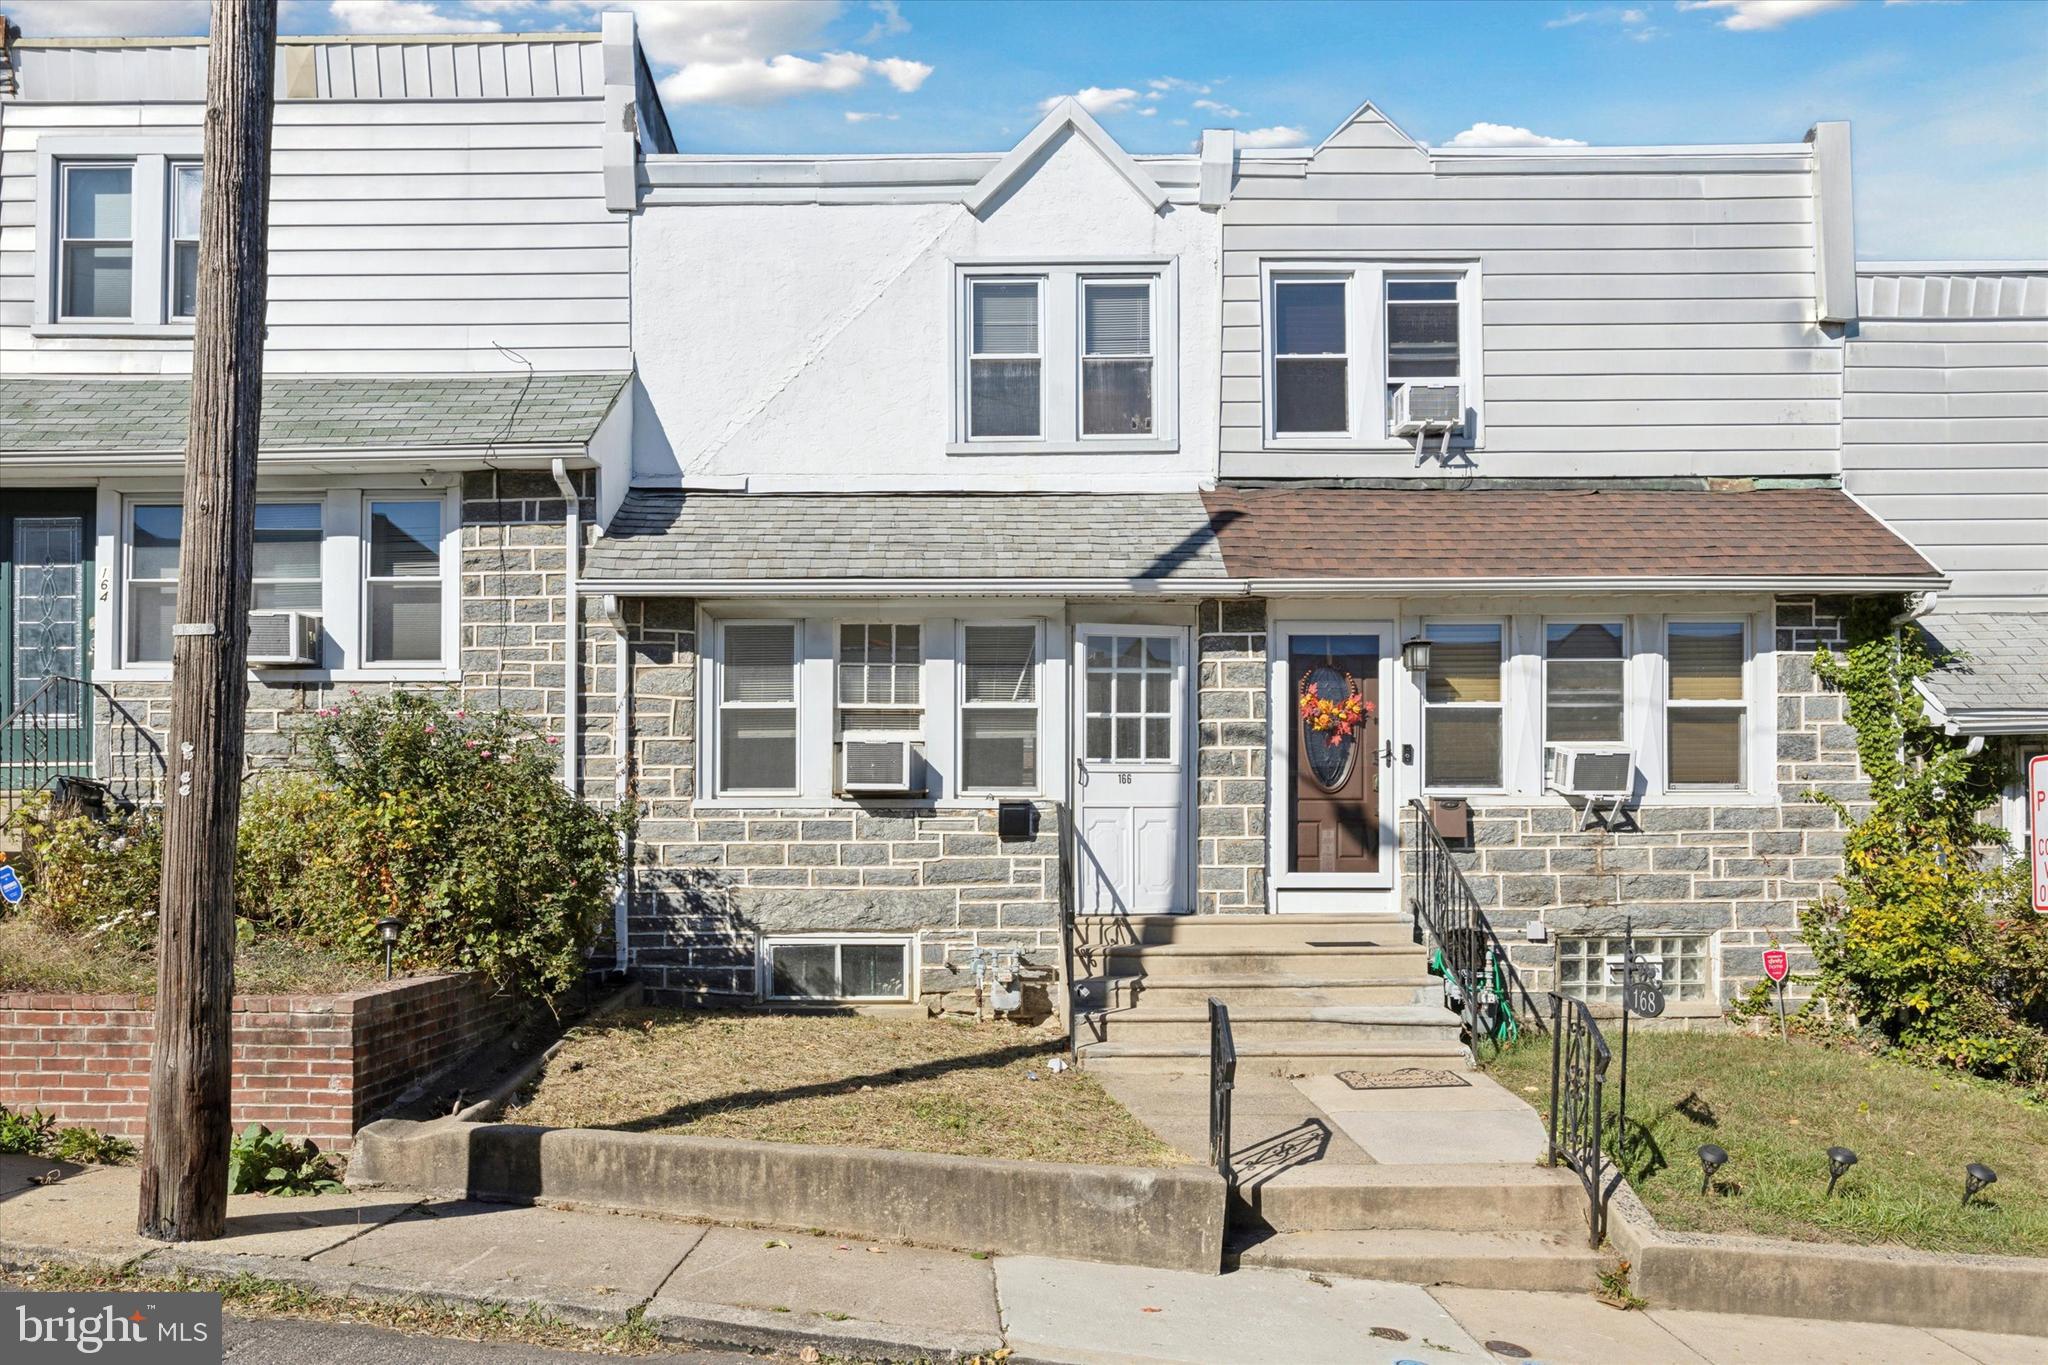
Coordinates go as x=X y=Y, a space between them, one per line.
x=836 y=969
x=1590 y=968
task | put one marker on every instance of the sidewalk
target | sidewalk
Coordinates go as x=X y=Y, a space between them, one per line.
x=782 y=1291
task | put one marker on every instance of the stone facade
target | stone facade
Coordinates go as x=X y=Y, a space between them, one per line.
x=709 y=878
x=1231 y=746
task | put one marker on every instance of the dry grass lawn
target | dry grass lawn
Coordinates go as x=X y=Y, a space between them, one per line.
x=36 y=958
x=838 y=1079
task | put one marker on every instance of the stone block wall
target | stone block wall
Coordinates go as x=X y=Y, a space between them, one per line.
x=709 y=878
x=1230 y=757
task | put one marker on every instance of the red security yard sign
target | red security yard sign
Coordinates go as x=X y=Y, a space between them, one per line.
x=2037 y=827
x=1777 y=966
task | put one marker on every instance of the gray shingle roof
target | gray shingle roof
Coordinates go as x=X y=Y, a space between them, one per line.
x=692 y=537
x=2004 y=670
x=57 y=415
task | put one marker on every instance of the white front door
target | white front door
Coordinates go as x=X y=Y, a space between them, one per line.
x=1130 y=787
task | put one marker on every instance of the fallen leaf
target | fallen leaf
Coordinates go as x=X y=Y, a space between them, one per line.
x=808 y=1355
x=878 y=1251
x=1151 y=1310
x=772 y=1245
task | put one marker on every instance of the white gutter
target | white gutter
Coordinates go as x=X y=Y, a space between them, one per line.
x=622 y=748
x=1240 y=587
x=86 y=463
x=572 y=633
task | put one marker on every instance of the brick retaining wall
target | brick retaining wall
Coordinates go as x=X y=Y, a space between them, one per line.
x=317 y=1066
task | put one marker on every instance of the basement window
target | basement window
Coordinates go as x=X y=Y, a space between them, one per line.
x=859 y=968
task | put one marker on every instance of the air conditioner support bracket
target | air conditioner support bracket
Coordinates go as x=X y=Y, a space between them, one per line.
x=1592 y=803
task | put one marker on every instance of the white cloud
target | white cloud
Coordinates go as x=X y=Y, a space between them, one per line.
x=865 y=116
x=759 y=51
x=1631 y=19
x=1753 y=16
x=1147 y=112
x=1505 y=135
x=1277 y=136
x=1165 y=83
x=785 y=76
x=109 y=18
x=902 y=73
x=1094 y=99
x=404 y=16
x=889 y=24
x=1219 y=109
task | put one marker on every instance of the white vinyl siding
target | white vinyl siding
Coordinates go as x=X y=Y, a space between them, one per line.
x=757 y=707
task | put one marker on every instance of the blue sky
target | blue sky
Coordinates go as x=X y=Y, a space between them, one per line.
x=1949 y=101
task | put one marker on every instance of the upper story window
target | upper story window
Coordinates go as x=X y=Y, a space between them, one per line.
x=1342 y=338
x=96 y=259
x=184 y=240
x=1065 y=359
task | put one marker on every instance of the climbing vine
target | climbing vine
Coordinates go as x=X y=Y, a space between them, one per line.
x=1928 y=941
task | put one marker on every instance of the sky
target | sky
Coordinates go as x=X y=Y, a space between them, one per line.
x=1948 y=101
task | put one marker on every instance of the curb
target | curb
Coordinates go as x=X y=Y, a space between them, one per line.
x=760 y=1329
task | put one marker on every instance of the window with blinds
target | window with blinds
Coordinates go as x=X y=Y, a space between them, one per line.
x=1311 y=357
x=757 y=701
x=1583 y=669
x=1005 y=361
x=1422 y=332
x=1116 y=358
x=880 y=687
x=1461 y=709
x=999 y=708
x=1706 y=710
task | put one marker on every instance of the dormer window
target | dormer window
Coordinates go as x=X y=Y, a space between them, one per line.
x=1065 y=359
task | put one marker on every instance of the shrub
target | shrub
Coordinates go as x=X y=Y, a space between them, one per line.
x=27 y=1134
x=90 y=1147
x=458 y=823
x=93 y=877
x=263 y=1162
x=1929 y=940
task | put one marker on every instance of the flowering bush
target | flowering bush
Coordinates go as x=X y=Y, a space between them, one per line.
x=458 y=823
x=91 y=876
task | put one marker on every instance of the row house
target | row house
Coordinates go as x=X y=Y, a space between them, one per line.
x=1006 y=566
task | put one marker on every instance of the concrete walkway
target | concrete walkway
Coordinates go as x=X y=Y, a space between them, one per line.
x=783 y=1291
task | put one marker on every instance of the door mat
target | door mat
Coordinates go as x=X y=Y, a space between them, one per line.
x=1407 y=1078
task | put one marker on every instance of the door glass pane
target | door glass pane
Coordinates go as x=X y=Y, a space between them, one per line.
x=48 y=607
x=1128 y=698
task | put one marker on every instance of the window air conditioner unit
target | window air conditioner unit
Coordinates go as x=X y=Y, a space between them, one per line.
x=283 y=639
x=1603 y=771
x=1420 y=409
x=876 y=763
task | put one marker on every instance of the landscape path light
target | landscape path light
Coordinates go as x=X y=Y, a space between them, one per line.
x=1712 y=1159
x=1840 y=1159
x=387 y=929
x=1976 y=1176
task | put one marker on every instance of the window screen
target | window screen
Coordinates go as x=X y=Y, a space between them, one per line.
x=287 y=563
x=828 y=969
x=757 y=707
x=999 y=709
x=1461 y=722
x=155 y=534
x=1310 y=357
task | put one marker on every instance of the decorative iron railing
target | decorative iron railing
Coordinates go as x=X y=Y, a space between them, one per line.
x=1578 y=1071
x=71 y=738
x=1448 y=913
x=1222 y=1080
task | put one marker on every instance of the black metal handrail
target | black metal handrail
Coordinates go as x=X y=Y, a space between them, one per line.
x=1447 y=911
x=73 y=735
x=1578 y=1071
x=1222 y=1080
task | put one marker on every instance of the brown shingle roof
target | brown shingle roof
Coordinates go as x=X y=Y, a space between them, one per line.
x=1278 y=533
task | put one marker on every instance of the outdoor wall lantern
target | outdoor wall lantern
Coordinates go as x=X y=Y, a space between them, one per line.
x=1415 y=655
x=1976 y=1176
x=1840 y=1159
x=387 y=929
x=1712 y=1159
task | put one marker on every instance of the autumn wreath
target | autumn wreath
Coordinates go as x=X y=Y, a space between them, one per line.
x=1327 y=715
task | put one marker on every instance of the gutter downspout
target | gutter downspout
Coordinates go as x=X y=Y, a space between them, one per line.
x=622 y=766
x=572 y=544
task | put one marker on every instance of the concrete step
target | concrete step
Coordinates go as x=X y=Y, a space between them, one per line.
x=1297 y=1057
x=1545 y=1262
x=1201 y=962
x=1461 y=1198
x=1377 y=1023
x=1274 y=991
x=1250 y=931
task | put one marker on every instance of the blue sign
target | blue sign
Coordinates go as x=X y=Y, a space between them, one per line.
x=10 y=886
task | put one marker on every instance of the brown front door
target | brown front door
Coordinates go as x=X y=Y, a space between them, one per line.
x=1334 y=784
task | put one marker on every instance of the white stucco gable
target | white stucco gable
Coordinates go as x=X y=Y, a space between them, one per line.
x=1026 y=156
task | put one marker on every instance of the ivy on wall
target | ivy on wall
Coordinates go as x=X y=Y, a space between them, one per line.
x=1929 y=940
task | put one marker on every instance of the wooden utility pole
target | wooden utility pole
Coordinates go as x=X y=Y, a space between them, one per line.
x=185 y=1153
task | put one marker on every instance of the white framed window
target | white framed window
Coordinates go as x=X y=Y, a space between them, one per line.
x=152 y=538
x=1461 y=706
x=1585 y=672
x=1311 y=325
x=1341 y=337
x=859 y=967
x=402 y=580
x=1706 y=706
x=1117 y=392
x=286 y=571
x=999 y=707
x=183 y=270
x=1006 y=359
x=96 y=247
x=758 y=691
x=1590 y=967
x=881 y=677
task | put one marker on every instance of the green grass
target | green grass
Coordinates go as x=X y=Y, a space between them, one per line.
x=1778 y=1107
x=34 y=957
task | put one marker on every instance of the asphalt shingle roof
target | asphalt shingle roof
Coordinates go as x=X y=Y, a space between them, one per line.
x=2003 y=669
x=737 y=536
x=51 y=415
x=1553 y=533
